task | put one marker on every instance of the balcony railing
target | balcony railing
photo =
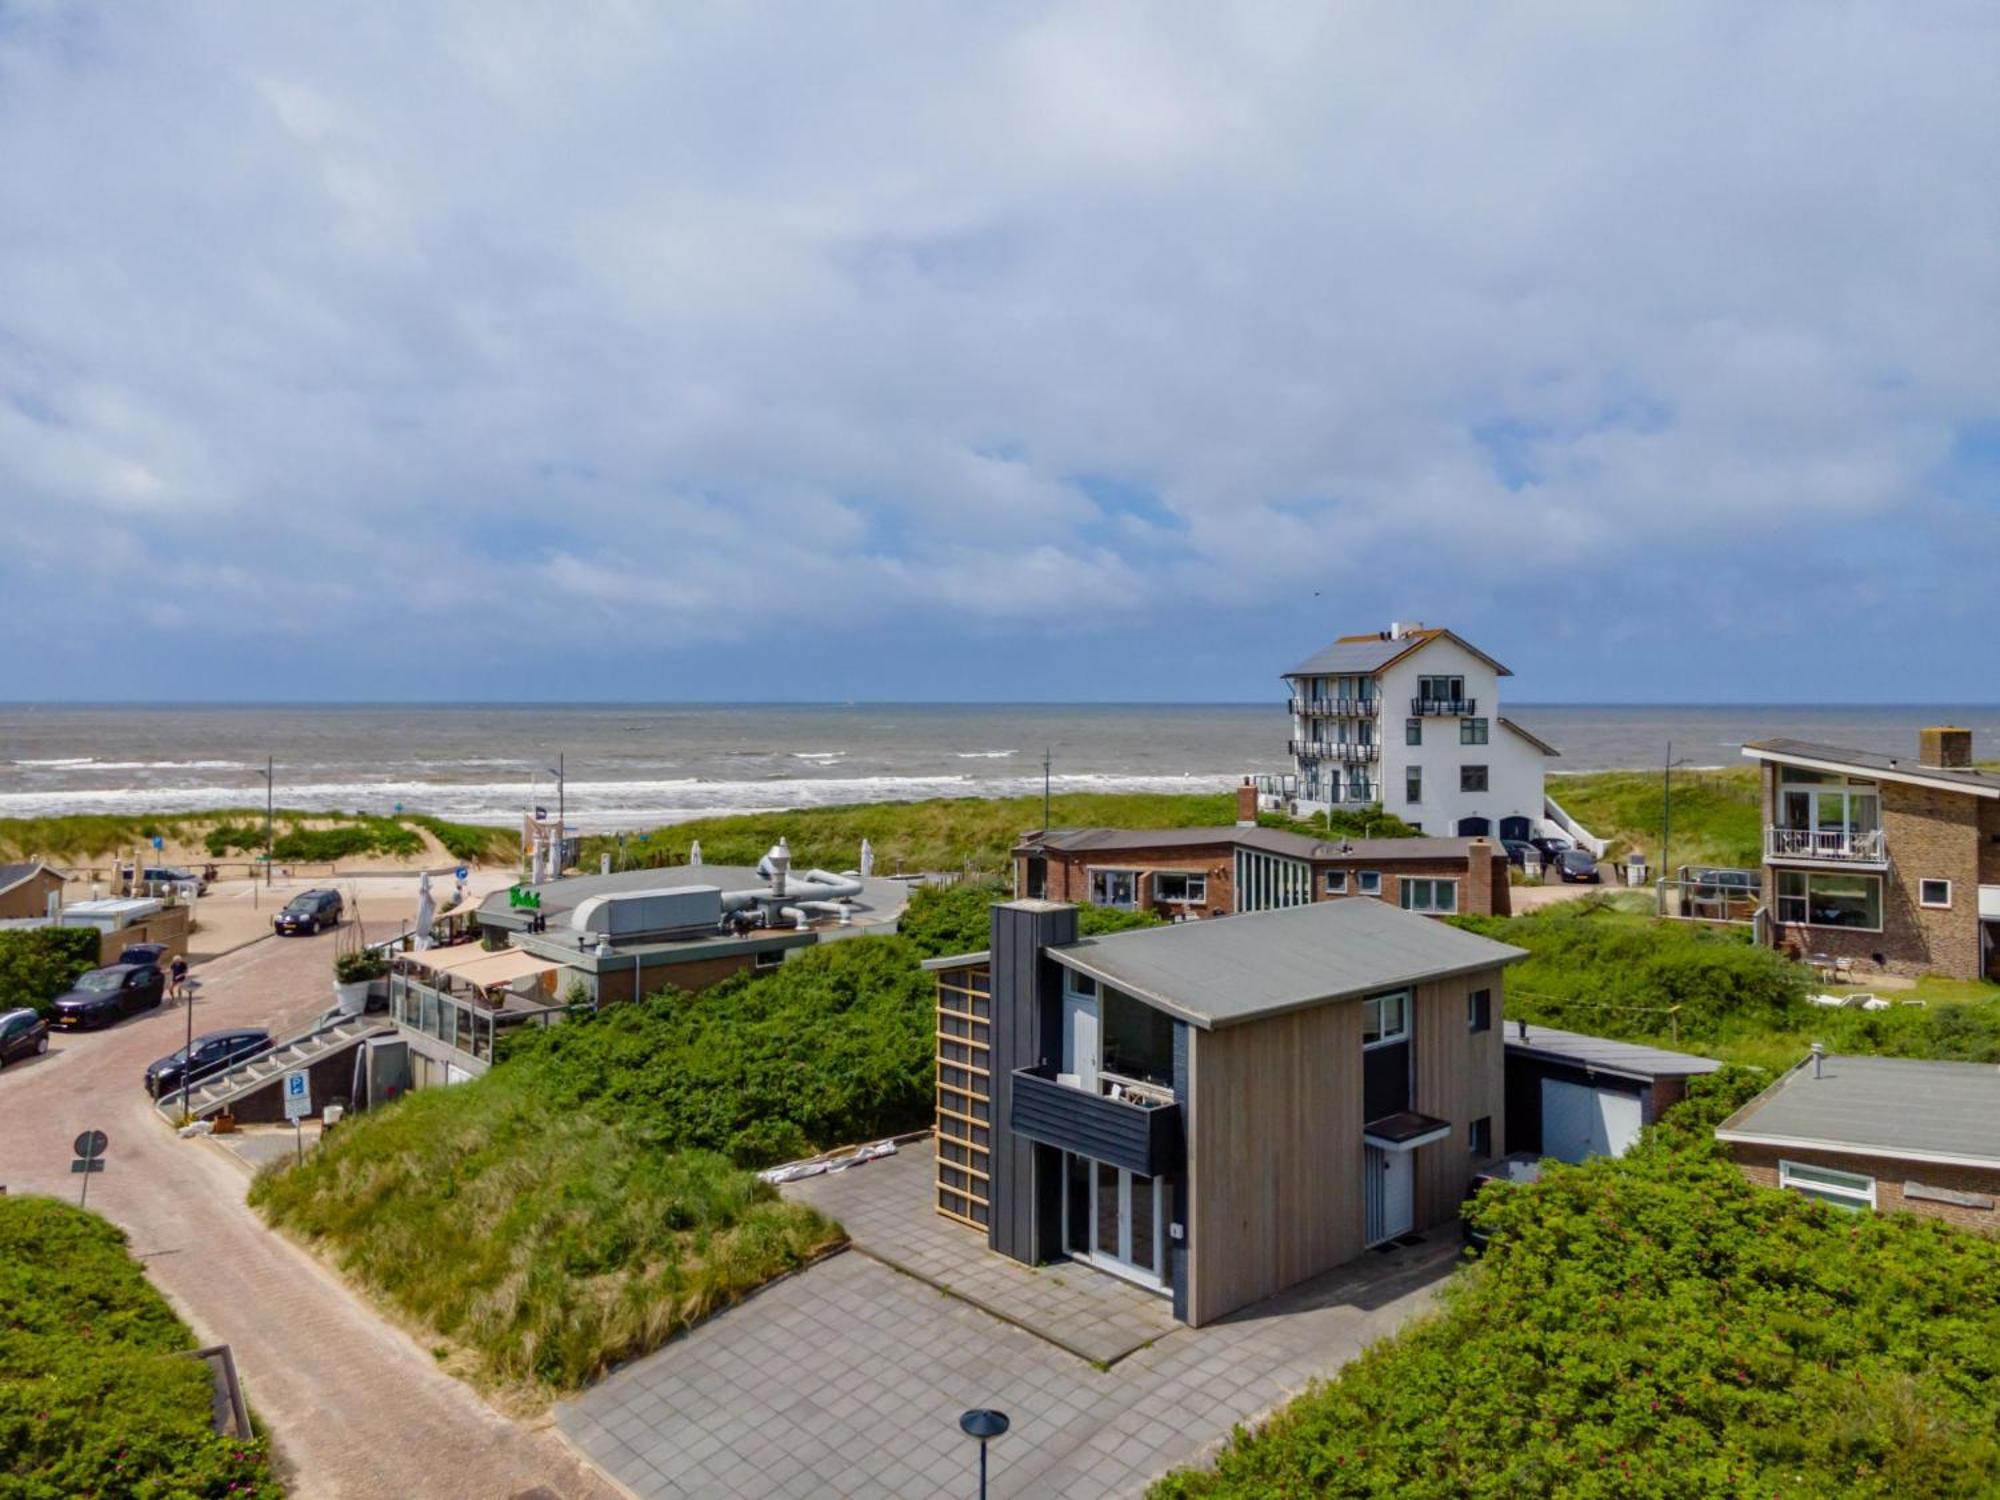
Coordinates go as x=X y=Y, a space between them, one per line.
x=471 y=1027
x=1858 y=846
x=1461 y=708
x=1335 y=708
x=1334 y=750
x=1139 y=1132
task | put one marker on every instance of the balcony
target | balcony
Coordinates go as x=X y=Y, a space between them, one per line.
x=473 y=1027
x=1140 y=1132
x=1834 y=846
x=1333 y=750
x=1451 y=708
x=1334 y=708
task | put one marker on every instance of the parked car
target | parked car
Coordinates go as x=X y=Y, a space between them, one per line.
x=1522 y=1166
x=1577 y=867
x=1725 y=885
x=1518 y=851
x=153 y=878
x=22 y=1034
x=144 y=953
x=213 y=1051
x=110 y=994
x=309 y=911
x=1549 y=846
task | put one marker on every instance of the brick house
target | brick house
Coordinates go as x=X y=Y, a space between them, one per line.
x=1880 y=1133
x=1213 y=872
x=1889 y=861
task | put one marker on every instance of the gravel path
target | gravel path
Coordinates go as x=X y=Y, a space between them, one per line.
x=357 y=1407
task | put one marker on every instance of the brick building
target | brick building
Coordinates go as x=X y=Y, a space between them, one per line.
x=1880 y=1133
x=1889 y=861
x=1213 y=872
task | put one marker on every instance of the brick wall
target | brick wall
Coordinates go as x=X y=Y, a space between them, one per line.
x=1989 y=841
x=1069 y=874
x=1760 y=1165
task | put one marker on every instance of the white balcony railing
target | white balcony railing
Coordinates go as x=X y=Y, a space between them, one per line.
x=1840 y=845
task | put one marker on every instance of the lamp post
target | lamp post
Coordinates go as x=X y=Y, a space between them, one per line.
x=562 y=830
x=983 y=1423
x=270 y=804
x=1667 y=809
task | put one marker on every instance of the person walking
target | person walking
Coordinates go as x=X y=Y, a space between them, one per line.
x=177 y=975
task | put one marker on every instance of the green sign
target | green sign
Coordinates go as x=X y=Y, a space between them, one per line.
x=524 y=898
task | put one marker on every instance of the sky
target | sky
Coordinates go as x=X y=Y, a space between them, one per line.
x=886 y=351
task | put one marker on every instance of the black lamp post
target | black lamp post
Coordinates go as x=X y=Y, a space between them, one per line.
x=984 y=1424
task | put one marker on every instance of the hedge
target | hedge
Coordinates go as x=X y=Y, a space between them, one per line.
x=39 y=963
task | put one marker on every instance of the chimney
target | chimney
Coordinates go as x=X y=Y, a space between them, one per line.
x=1246 y=804
x=1819 y=1060
x=1398 y=629
x=1943 y=747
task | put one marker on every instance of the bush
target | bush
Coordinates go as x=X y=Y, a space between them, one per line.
x=469 y=842
x=234 y=838
x=1656 y=1326
x=97 y=1393
x=38 y=963
x=354 y=968
x=944 y=920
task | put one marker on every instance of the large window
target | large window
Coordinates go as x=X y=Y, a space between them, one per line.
x=1115 y=888
x=1336 y=882
x=1842 y=1189
x=1812 y=899
x=1177 y=888
x=1429 y=895
x=1138 y=1040
x=1413 y=783
x=1385 y=1019
x=1370 y=882
x=1808 y=800
x=1441 y=689
x=1472 y=778
x=1472 y=731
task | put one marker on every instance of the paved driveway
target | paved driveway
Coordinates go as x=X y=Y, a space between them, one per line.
x=358 y=1408
x=849 y=1379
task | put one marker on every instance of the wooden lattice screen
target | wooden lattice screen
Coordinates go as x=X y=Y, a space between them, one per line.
x=964 y=1093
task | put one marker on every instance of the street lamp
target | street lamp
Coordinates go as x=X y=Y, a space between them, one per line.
x=270 y=801
x=984 y=1424
x=562 y=831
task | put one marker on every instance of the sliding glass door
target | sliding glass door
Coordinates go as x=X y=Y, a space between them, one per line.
x=1115 y=1219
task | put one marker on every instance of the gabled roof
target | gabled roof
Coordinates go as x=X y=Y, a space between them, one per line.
x=1374 y=651
x=1539 y=743
x=1902 y=1108
x=19 y=874
x=1231 y=969
x=1806 y=754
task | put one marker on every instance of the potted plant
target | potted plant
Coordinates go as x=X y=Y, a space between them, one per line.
x=352 y=974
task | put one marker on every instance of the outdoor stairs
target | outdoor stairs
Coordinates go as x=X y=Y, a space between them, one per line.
x=266 y=1068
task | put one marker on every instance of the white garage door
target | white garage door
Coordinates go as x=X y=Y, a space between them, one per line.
x=1580 y=1121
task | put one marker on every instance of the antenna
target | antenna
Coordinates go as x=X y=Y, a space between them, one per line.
x=1048 y=760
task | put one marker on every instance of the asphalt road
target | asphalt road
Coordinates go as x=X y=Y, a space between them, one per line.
x=358 y=1408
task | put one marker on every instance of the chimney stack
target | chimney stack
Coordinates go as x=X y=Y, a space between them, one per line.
x=1246 y=804
x=1943 y=747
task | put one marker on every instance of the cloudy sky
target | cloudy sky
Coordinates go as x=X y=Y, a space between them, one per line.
x=483 y=351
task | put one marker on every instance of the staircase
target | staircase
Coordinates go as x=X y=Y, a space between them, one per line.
x=263 y=1071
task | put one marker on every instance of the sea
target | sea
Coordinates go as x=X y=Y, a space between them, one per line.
x=636 y=765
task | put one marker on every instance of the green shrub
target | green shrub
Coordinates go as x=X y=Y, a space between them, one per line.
x=354 y=968
x=944 y=920
x=234 y=838
x=469 y=842
x=98 y=1395
x=38 y=963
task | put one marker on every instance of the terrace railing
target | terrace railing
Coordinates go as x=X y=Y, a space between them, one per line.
x=471 y=1026
x=1449 y=707
x=1864 y=846
x=1334 y=750
x=1335 y=708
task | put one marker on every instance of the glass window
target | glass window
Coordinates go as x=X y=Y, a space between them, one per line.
x=1180 y=889
x=1076 y=1180
x=1472 y=778
x=1114 y=888
x=1138 y=1040
x=1481 y=1137
x=1427 y=895
x=1935 y=893
x=1842 y=1189
x=1413 y=731
x=1472 y=731
x=1371 y=882
x=1079 y=984
x=1385 y=1019
x=1831 y=899
x=1413 y=783
x=1144 y=1192
x=1479 y=1011
x=1336 y=882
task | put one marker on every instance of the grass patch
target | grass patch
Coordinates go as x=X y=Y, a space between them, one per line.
x=1718 y=815
x=97 y=1393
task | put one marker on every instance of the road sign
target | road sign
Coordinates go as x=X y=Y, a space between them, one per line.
x=158 y=842
x=87 y=1164
x=89 y=1146
x=298 y=1096
x=91 y=1143
x=460 y=873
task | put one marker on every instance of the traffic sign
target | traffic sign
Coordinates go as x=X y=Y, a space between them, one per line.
x=460 y=873
x=89 y=1146
x=91 y=1143
x=87 y=1164
x=158 y=842
x=298 y=1096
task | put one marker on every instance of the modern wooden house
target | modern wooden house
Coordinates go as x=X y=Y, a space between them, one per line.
x=1216 y=1110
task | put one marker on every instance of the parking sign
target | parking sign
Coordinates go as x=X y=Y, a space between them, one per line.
x=298 y=1096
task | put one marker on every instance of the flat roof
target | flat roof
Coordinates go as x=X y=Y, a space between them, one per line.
x=1267 y=840
x=1903 y=1108
x=880 y=903
x=1227 y=970
x=1874 y=763
x=1603 y=1055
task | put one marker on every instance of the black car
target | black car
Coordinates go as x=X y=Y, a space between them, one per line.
x=110 y=994
x=145 y=953
x=309 y=911
x=1549 y=846
x=1522 y=1166
x=213 y=1051
x=1518 y=851
x=22 y=1034
x=1577 y=867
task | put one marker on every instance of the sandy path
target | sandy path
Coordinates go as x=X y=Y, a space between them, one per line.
x=358 y=1408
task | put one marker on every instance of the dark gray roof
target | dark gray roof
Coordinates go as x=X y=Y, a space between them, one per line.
x=1874 y=763
x=1897 y=1107
x=880 y=897
x=1229 y=969
x=1602 y=1055
x=1372 y=652
x=13 y=874
x=1269 y=840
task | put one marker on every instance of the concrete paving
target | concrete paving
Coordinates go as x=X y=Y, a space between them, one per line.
x=849 y=1379
x=885 y=1206
x=358 y=1408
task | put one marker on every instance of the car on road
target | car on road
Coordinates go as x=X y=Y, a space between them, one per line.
x=1577 y=867
x=23 y=1033
x=109 y=994
x=213 y=1051
x=308 y=912
x=1521 y=1167
x=153 y=879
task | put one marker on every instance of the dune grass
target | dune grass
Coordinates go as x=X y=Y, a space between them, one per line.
x=301 y=835
x=1718 y=816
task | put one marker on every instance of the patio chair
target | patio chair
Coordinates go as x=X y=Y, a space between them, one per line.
x=1843 y=969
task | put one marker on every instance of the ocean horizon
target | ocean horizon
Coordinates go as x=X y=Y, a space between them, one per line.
x=634 y=764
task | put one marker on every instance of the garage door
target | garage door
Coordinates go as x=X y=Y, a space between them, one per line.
x=1580 y=1121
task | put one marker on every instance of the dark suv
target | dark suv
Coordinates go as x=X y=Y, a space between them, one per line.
x=309 y=911
x=22 y=1034
x=110 y=994
x=213 y=1051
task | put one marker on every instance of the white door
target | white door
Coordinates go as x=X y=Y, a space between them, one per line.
x=1080 y=1039
x=1389 y=1193
x=1579 y=1121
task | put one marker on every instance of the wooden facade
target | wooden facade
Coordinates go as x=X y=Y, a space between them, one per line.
x=964 y=1094
x=1461 y=1076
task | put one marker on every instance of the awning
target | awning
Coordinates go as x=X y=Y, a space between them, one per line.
x=1405 y=1131
x=451 y=960
x=484 y=967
